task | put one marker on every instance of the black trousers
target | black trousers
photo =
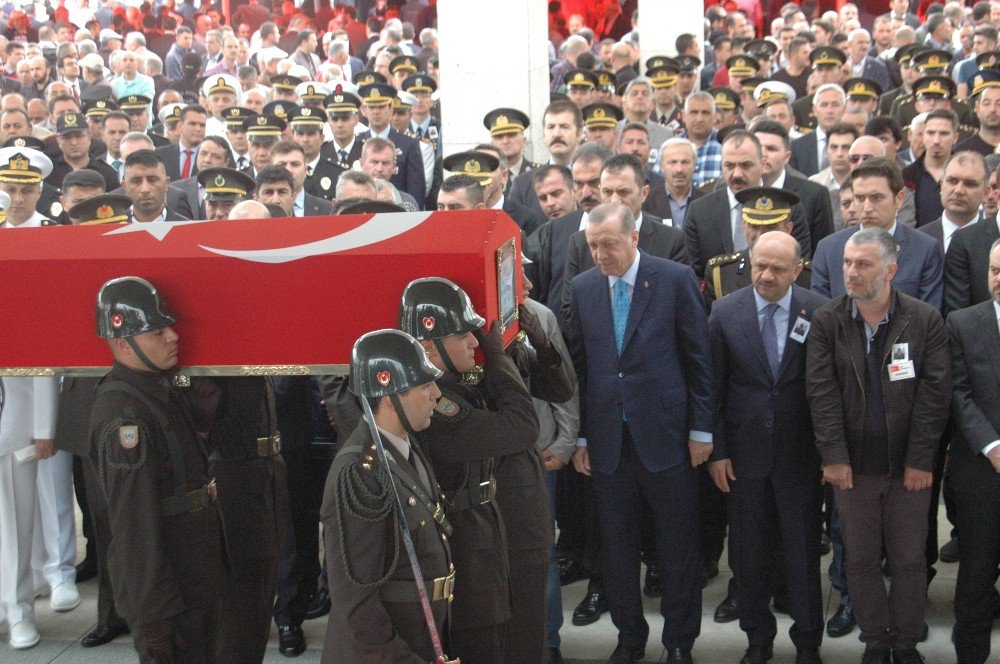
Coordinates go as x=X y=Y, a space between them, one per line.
x=480 y=645
x=762 y=511
x=978 y=558
x=579 y=527
x=526 y=635
x=101 y=536
x=672 y=496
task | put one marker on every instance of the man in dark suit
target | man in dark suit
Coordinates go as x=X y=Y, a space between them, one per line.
x=975 y=465
x=181 y=158
x=809 y=151
x=670 y=201
x=638 y=336
x=714 y=224
x=409 y=173
x=899 y=10
x=290 y=156
x=187 y=197
x=765 y=451
x=146 y=183
x=920 y=272
x=623 y=181
x=965 y=265
x=563 y=126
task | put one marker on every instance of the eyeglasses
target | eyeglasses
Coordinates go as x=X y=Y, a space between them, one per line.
x=858 y=158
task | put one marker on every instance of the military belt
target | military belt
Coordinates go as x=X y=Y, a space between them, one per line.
x=192 y=501
x=268 y=446
x=400 y=592
x=471 y=496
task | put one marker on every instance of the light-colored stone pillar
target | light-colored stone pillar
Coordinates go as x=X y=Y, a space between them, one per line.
x=662 y=21
x=493 y=53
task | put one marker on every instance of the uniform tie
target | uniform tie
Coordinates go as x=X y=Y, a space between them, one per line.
x=622 y=306
x=342 y=156
x=769 y=334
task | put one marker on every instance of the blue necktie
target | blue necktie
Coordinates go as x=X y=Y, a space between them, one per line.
x=622 y=305
x=769 y=335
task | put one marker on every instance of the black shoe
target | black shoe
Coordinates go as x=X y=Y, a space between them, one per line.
x=319 y=605
x=728 y=611
x=102 y=634
x=876 y=655
x=841 y=624
x=807 y=656
x=590 y=608
x=86 y=570
x=781 y=603
x=908 y=656
x=653 y=586
x=679 y=656
x=824 y=545
x=624 y=654
x=949 y=552
x=571 y=571
x=555 y=657
x=757 y=655
x=291 y=640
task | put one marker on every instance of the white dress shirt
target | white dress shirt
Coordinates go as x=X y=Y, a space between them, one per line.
x=948 y=228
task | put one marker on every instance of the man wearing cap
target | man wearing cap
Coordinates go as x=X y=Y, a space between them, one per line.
x=290 y=156
x=580 y=84
x=662 y=73
x=600 y=122
x=345 y=147
x=224 y=188
x=263 y=132
x=423 y=125
x=391 y=370
x=986 y=93
x=827 y=67
x=402 y=115
x=165 y=555
x=400 y=67
x=862 y=94
x=169 y=116
x=321 y=169
x=187 y=197
x=136 y=107
x=483 y=164
x=236 y=135
x=409 y=175
x=146 y=183
x=903 y=58
x=74 y=143
x=771 y=470
x=181 y=159
x=221 y=92
x=506 y=127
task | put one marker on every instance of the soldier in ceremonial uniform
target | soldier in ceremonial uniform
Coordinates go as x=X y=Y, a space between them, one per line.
x=170 y=119
x=312 y=93
x=263 y=132
x=224 y=188
x=827 y=63
x=376 y=615
x=236 y=135
x=600 y=122
x=662 y=73
x=931 y=92
x=21 y=173
x=283 y=88
x=165 y=555
x=506 y=127
x=220 y=92
x=345 y=147
x=423 y=125
x=764 y=209
x=471 y=426
x=862 y=94
x=307 y=132
x=907 y=73
x=580 y=85
x=101 y=209
x=605 y=90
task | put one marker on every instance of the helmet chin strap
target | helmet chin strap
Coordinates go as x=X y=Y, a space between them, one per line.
x=401 y=414
x=444 y=356
x=142 y=356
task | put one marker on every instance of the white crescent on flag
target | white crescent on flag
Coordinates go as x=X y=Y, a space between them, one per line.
x=377 y=229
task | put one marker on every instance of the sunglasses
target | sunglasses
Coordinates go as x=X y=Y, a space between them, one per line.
x=858 y=158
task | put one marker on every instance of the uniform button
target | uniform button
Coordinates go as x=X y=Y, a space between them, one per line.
x=412 y=501
x=444 y=538
x=621 y=375
x=422 y=523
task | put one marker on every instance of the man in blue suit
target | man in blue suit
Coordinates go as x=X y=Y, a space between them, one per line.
x=921 y=268
x=765 y=451
x=638 y=336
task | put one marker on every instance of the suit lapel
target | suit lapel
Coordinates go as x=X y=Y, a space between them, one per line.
x=991 y=336
x=791 y=347
x=641 y=294
x=726 y=228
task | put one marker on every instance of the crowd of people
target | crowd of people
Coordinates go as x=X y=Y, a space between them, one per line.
x=761 y=298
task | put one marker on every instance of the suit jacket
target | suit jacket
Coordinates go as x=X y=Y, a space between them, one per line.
x=920 y=273
x=763 y=422
x=876 y=70
x=183 y=197
x=814 y=208
x=966 y=265
x=409 y=175
x=709 y=230
x=658 y=202
x=317 y=207
x=547 y=248
x=804 y=155
x=916 y=409
x=523 y=192
x=171 y=155
x=936 y=230
x=654 y=239
x=662 y=381
x=322 y=182
x=529 y=220
x=975 y=403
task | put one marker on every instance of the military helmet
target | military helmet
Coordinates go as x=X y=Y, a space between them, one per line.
x=388 y=362
x=434 y=308
x=128 y=306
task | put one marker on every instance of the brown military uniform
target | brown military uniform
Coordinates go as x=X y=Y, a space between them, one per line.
x=376 y=614
x=472 y=425
x=728 y=273
x=253 y=501
x=165 y=555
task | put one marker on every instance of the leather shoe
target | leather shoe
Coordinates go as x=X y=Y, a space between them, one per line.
x=571 y=571
x=624 y=654
x=86 y=570
x=807 y=656
x=589 y=610
x=102 y=634
x=555 y=657
x=291 y=640
x=319 y=605
x=876 y=655
x=679 y=656
x=728 y=610
x=653 y=586
x=841 y=624
x=949 y=552
x=757 y=655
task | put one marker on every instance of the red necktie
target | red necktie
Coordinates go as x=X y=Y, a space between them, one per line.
x=186 y=171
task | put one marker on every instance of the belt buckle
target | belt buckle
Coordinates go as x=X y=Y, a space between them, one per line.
x=485 y=491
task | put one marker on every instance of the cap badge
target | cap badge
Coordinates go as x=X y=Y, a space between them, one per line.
x=600 y=114
x=502 y=121
x=262 y=120
x=220 y=181
x=20 y=142
x=383 y=378
x=70 y=119
x=428 y=323
x=18 y=163
x=104 y=212
x=306 y=111
x=765 y=203
x=117 y=320
x=472 y=166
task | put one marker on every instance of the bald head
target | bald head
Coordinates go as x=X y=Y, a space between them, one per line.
x=865 y=148
x=249 y=210
x=775 y=264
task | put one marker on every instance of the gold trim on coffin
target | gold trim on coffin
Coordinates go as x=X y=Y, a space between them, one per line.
x=221 y=370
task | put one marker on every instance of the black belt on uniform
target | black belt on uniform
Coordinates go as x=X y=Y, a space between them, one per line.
x=268 y=446
x=401 y=592
x=470 y=496
x=192 y=501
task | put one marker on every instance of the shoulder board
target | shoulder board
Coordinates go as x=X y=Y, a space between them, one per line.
x=807 y=264
x=49 y=222
x=708 y=185
x=724 y=259
x=447 y=407
x=804 y=130
x=409 y=134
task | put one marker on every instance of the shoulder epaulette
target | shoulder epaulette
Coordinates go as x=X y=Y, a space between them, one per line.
x=724 y=259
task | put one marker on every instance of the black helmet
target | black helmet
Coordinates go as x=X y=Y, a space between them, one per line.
x=128 y=306
x=434 y=308
x=387 y=362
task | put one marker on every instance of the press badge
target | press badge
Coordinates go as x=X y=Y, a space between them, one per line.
x=800 y=330
x=902 y=370
x=900 y=352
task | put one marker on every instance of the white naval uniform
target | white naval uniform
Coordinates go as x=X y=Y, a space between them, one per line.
x=28 y=412
x=53 y=547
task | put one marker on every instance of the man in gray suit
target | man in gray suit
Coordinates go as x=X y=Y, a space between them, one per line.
x=290 y=156
x=963 y=188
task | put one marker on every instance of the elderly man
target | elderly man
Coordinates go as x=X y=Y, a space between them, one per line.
x=699 y=121
x=678 y=157
x=809 y=152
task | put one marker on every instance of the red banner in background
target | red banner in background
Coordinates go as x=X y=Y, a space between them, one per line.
x=270 y=295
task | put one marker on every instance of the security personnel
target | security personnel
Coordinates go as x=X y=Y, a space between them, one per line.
x=903 y=59
x=74 y=145
x=728 y=107
x=95 y=112
x=263 y=132
x=224 y=188
x=580 y=85
x=101 y=209
x=136 y=107
x=423 y=126
x=377 y=615
x=237 y=414
x=409 y=175
x=764 y=209
x=471 y=425
x=220 y=92
x=165 y=555
x=601 y=120
x=170 y=118
x=283 y=88
x=506 y=127
x=930 y=92
x=826 y=63
x=862 y=93
x=312 y=93
x=662 y=73
x=22 y=171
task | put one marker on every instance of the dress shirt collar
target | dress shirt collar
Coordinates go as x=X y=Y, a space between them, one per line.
x=785 y=302
x=499 y=203
x=779 y=182
x=158 y=218
x=402 y=445
x=584 y=218
x=996 y=308
x=347 y=148
x=381 y=134
x=299 y=207
x=630 y=274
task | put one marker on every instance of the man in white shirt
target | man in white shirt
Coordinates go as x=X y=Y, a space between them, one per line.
x=963 y=188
